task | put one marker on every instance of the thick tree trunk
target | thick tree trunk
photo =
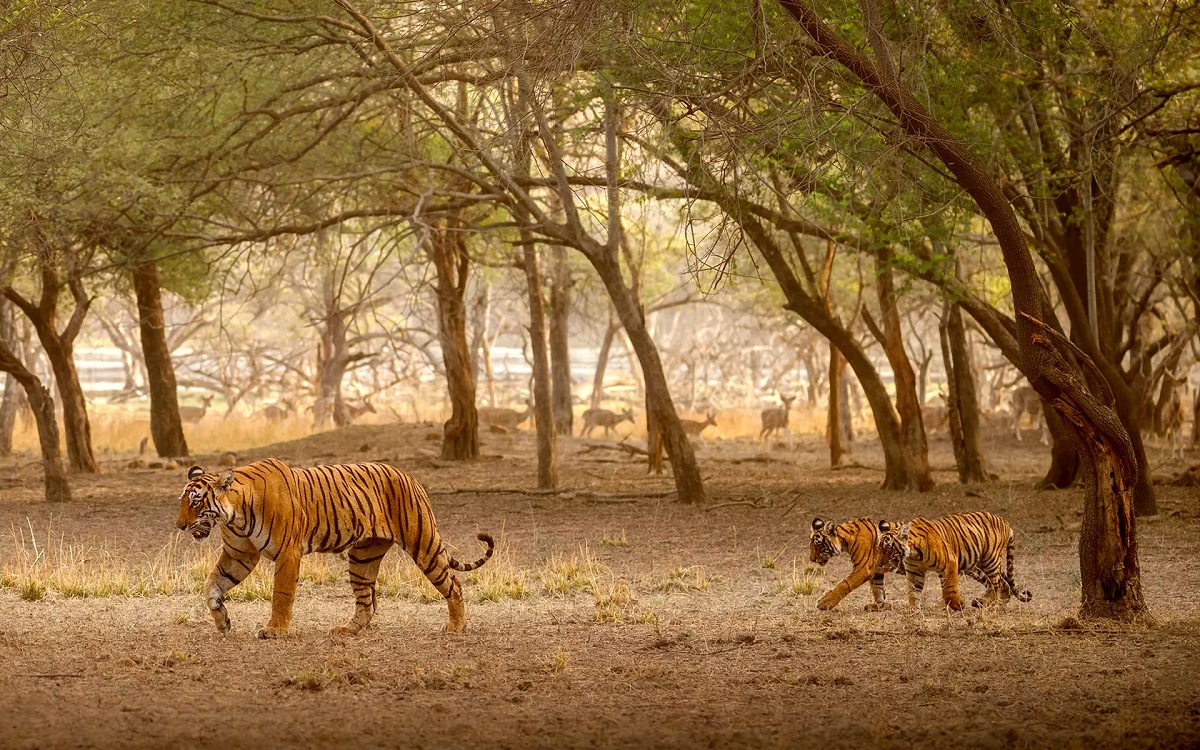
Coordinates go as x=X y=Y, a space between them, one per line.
x=833 y=423
x=908 y=404
x=560 y=342
x=1064 y=459
x=543 y=408
x=166 y=428
x=57 y=489
x=448 y=250
x=9 y=403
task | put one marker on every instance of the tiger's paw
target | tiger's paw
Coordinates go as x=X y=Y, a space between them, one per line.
x=827 y=602
x=351 y=629
x=456 y=627
x=271 y=633
x=873 y=607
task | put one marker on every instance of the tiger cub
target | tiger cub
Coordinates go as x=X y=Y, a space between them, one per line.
x=979 y=545
x=860 y=539
x=267 y=509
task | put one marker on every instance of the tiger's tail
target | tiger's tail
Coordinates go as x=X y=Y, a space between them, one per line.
x=1009 y=579
x=464 y=568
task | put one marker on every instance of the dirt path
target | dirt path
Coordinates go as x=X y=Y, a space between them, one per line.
x=639 y=622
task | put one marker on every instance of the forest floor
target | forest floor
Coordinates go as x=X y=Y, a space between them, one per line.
x=611 y=616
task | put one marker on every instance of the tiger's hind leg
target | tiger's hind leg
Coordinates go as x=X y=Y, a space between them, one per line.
x=436 y=568
x=364 y=572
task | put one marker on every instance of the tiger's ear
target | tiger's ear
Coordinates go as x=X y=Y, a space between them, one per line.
x=225 y=479
x=194 y=472
x=817 y=524
x=884 y=526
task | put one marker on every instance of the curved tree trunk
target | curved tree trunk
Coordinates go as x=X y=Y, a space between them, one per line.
x=448 y=251
x=166 y=428
x=57 y=489
x=688 y=484
x=59 y=352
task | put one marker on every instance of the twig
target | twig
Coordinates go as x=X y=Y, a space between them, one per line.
x=48 y=674
x=753 y=504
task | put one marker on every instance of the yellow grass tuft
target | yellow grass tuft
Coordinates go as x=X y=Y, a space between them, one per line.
x=614 y=602
x=566 y=575
x=800 y=582
x=683 y=580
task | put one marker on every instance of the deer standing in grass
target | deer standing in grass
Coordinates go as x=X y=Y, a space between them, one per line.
x=593 y=418
x=695 y=426
x=775 y=419
x=193 y=414
x=505 y=419
x=1025 y=400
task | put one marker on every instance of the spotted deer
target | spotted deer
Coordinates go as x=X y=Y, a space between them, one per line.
x=505 y=419
x=279 y=411
x=593 y=418
x=354 y=411
x=1025 y=400
x=695 y=426
x=775 y=419
x=193 y=414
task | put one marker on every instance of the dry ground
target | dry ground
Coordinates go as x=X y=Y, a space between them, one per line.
x=611 y=620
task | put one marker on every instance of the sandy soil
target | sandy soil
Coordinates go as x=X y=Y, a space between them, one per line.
x=686 y=635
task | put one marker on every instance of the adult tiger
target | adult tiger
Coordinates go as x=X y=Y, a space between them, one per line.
x=860 y=538
x=267 y=508
x=979 y=545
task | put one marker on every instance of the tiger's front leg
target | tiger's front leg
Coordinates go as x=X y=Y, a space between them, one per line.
x=843 y=589
x=287 y=573
x=364 y=571
x=916 y=584
x=231 y=569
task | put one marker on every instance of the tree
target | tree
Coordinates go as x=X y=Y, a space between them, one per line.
x=1061 y=372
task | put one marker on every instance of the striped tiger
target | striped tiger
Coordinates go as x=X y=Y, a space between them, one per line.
x=269 y=509
x=979 y=545
x=858 y=537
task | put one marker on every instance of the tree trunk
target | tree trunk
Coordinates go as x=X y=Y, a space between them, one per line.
x=543 y=408
x=448 y=251
x=1108 y=560
x=58 y=347
x=908 y=405
x=1064 y=459
x=166 y=428
x=602 y=364
x=8 y=404
x=834 y=419
x=560 y=343
x=688 y=484
x=57 y=488
x=962 y=406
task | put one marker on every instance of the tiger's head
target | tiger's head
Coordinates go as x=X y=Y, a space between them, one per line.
x=824 y=542
x=202 y=503
x=891 y=544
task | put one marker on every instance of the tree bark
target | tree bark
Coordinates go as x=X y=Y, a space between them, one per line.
x=602 y=363
x=448 y=251
x=543 y=408
x=59 y=349
x=9 y=403
x=560 y=342
x=834 y=420
x=962 y=406
x=1108 y=548
x=166 y=428
x=908 y=404
x=57 y=489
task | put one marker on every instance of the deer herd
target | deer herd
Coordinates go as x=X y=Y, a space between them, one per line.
x=1025 y=411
